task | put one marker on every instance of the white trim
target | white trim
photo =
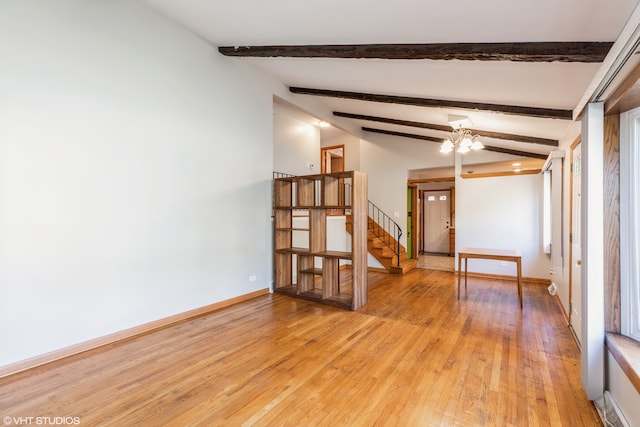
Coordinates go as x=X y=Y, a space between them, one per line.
x=555 y=154
x=592 y=232
x=625 y=137
x=615 y=67
x=629 y=201
x=546 y=212
x=552 y=242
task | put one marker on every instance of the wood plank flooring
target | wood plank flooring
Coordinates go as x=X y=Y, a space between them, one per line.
x=414 y=355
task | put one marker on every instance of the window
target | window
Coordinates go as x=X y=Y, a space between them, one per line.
x=546 y=212
x=630 y=222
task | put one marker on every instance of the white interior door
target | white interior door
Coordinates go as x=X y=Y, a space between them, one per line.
x=437 y=213
x=576 y=248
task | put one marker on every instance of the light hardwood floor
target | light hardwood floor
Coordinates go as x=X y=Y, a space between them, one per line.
x=437 y=262
x=414 y=355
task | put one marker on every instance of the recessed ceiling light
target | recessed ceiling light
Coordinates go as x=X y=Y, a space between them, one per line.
x=322 y=124
x=516 y=164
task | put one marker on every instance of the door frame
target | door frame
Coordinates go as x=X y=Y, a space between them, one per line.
x=324 y=151
x=323 y=154
x=415 y=217
x=451 y=191
x=452 y=187
x=421 y=219
x=575 y=143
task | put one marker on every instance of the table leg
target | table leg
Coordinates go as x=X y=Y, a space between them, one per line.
x=466 y=262
x=520 y=281
x=459 y=272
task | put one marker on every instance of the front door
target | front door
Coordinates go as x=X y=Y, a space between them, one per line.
x=437 y=213
x=575 y=292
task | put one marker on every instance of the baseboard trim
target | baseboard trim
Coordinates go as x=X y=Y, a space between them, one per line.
x=125 y=334
x=377 y=270
x=556 y=297
x=529 y=280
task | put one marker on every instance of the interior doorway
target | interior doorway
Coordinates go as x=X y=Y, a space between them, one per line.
x=332 y=159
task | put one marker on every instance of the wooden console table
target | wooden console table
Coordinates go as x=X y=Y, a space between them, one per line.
x=494 y=254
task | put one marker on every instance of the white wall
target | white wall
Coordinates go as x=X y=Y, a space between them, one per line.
x=338 y=239
x=387 y=161
x=502 y=213
x=623 y=392
x=296 y=142
x=351 y=149
x=125 y=144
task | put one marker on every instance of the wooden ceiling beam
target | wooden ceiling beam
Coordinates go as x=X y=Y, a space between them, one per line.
x=546 y=113
x=439 y=140
x=472 y=174
x=403 y=134
x=586 y=52
x=447 y=128
x=431 y=126
x=516 y=152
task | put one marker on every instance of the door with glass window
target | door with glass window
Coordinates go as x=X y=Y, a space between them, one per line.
x=437 y=214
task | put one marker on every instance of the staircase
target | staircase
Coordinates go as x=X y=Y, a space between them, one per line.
x=378 y=245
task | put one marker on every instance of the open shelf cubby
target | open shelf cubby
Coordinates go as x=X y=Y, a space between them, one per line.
x=303 y=267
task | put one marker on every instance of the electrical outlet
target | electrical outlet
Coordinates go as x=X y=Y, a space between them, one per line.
x=504 y=263
x=252 y=278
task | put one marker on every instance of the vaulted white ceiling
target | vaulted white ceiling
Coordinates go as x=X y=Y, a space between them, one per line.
x=555 y=85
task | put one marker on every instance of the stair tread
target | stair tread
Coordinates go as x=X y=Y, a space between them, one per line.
x=377 y=247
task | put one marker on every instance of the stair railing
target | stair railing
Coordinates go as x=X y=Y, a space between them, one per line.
x=382 y=226
x=282 y=175
x=385 y=229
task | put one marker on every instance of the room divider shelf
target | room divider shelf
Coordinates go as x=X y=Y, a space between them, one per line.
x=316 y=271
x=313 y=271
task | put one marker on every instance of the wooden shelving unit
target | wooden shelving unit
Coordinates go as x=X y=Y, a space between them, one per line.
x=312 y=271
